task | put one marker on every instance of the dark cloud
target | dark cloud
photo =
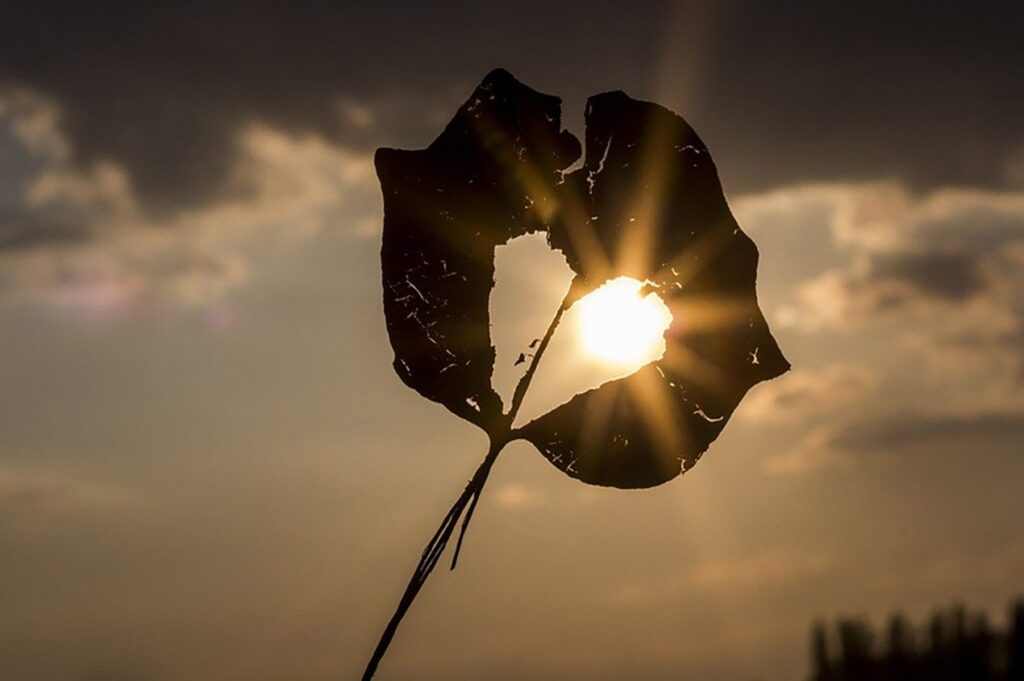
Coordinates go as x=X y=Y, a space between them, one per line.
x=948 y=259
x=163 y=90
x=921 y=91
x=878 y=285
x=947 y=275
x=921 y=429
x=808 y=395
x=23 y=230
x=808 y=91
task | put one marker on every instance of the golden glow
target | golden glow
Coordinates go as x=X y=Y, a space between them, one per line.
x=621 y=327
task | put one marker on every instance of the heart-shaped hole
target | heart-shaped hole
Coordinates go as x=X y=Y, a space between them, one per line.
x=608 y=334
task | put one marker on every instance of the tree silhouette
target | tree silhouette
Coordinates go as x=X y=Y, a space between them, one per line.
x=1015 y=642
x=953 y=645
x=898 y=660
x=821 y=662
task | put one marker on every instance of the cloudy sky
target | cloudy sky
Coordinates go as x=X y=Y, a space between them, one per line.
x=208 y=470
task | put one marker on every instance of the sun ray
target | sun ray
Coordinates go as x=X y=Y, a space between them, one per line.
x=558 y=203
x=643 y=217
x=681 y=361
x=655 y=406
x=709 y=313
x=689 y=262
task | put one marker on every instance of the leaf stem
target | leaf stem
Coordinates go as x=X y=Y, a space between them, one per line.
x=524 y=383
x=517 y=401
x=467 y=501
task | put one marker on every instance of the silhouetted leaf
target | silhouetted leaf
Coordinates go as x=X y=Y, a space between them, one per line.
x=647 y=203
x=649 y=195
x=446 y=208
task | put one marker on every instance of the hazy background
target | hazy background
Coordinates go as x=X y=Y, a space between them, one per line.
x=209 y=472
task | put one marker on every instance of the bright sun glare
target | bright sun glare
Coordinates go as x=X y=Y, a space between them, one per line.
x=619 y=326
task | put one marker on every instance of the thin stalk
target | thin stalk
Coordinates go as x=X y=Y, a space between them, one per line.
x=524 y=382
x=518 y=395
x=467 y=500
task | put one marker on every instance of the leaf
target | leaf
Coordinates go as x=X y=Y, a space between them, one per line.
x=649 y=196
x=487 y=178
x=647 y=203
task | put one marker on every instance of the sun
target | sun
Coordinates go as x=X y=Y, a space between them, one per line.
x=619 y=326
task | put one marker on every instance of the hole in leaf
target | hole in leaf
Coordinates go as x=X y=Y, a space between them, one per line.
x=530 y=282
x=622 y=325
x=606 y=335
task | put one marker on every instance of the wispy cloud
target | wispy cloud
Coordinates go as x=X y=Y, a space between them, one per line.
x=29 y=497
x=775 y=567
x=904 y=253
x=515 y=497
x=885 y=436
x=81 y=237
x=808 y=394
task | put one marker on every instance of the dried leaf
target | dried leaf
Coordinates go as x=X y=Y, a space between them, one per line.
x=649 y=196
x=647 y=203
x=483 y=181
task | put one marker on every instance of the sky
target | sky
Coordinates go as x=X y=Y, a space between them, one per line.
x=209 y=471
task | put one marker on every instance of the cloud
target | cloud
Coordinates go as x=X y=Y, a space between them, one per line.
x=950 y=571
x=769 y=568
x=28 y=497
x=161 y=92
x=806 y=394
x=910 y=430
x=892 y=435
x=813 y=451
x=514 y=497
x=77 y=236
x=937 y=273
x=920 y=295
x=143 y=116
x=905 y=254
x=22 y=230
x=952 y=275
